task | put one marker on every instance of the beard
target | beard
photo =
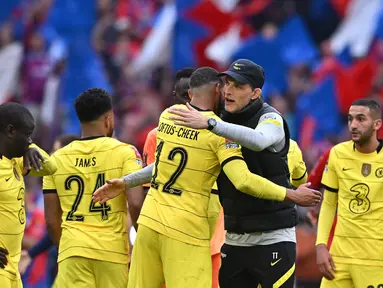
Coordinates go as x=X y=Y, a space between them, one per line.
x=365 y=137
x=219 y=107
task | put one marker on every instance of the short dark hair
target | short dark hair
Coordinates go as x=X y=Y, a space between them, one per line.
x=203 y=76
x=181 y=86
x=66 y=139
x=376 y=110
x=15 y=114
x=91 y=104
x=184 y=73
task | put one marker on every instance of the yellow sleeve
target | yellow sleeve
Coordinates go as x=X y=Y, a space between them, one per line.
x=131 y=159
x=252 y=184
x=330 y=200
x=48 y=183
x=226 y=150
x=49 y=167
x=330 y=178
x=326 y=216
x=299 y=171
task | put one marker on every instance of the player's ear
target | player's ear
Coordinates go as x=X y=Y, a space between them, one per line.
x=378 y=124
x=10 y=131
x=256 y=93
x=190 y=94
x=218 y=88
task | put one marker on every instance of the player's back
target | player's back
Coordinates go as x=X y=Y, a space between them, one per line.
x=186 y=167
x=359 y=228
x=92 y=230
x=12 y=212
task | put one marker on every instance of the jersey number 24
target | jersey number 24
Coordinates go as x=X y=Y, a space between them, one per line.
x=93 y=208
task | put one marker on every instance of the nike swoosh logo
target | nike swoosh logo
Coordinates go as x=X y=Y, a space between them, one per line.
x=346 y=169
x=274 y=263
x=8 y=179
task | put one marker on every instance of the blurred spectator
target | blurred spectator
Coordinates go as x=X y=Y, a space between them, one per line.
x=283 y=106
x=10 y=57
x=36 y=69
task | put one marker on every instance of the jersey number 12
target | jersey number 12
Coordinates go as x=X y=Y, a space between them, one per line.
x=168 y=186
x=93 y=208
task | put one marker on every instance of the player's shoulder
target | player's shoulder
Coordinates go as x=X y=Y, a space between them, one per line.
x=152 y=133
x=121 y=147
x=271 y=116
x=342 y=149
x=293 y=146
x=166 y=113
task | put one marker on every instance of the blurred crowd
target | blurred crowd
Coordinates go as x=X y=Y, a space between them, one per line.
x=35 y=57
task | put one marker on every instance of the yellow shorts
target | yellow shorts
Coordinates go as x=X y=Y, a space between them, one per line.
x=158 y=259
x=348 y=275
x=10 y=283
x=82 y=272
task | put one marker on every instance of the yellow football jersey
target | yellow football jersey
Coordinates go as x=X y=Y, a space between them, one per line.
x=12 y=212
x=92 y=230
x=297 y=167
x=186 y=167
x=357 y=178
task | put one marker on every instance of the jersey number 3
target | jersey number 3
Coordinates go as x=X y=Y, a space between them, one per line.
x=93 y=208
x=168 y=186
x=360 y=203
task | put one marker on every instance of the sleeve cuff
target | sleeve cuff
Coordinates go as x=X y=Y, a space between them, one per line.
x=230 y=159
x=334 y=190
x=49 y=191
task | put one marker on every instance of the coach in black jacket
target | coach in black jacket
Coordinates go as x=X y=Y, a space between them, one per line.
x=260 y=246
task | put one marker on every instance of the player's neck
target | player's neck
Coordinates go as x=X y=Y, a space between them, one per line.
x=87 y=132
x=4 y=150
x=202 y=103
x=369 y=147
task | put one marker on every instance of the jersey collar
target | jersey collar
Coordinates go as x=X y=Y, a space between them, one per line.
x=91 y=138
x=199 y=109
x=378 y=149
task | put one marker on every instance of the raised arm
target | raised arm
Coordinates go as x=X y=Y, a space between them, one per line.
x=268 y=132
x=37 y=162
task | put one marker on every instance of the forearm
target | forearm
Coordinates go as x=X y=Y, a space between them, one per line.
x=48 y=167
x=28 y=242
x=257 y=139
x=252 y=184
x=135 y=197
x=54 y=230
x=326 y=217
x=43 y=245
x=140 y=177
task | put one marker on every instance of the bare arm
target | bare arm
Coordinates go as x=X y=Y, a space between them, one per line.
x=37 y=157
x=135 y=197
x=53 y=215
